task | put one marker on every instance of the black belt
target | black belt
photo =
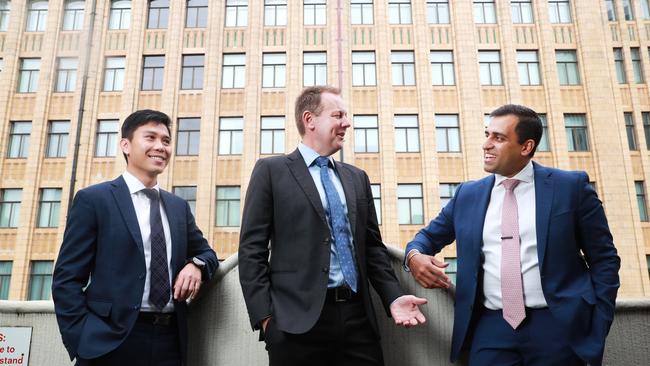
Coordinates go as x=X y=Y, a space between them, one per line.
x=341 y=294
x=163 y=319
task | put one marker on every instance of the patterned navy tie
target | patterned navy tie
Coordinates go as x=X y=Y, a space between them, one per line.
x=159 y=288
x=339 y=225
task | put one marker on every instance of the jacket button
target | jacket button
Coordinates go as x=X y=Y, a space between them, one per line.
x=141 y=276
x=326 y=241
x=325 y=269
x=136 y=307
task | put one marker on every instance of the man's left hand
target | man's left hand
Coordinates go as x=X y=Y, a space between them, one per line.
x=187 y=283
x=405 y=311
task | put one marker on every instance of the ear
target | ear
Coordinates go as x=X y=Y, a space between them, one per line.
x=125 y=145
x=527 y=147
x=308 y=120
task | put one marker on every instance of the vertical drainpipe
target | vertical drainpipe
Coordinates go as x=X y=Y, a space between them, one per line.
x=82 y=102
x=339 y=49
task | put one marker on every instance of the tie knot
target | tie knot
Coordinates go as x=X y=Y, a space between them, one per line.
x=151 y=193
x=510 y=184
x=322 y=161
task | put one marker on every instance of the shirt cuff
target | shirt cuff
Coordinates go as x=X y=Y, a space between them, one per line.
x=408 y=257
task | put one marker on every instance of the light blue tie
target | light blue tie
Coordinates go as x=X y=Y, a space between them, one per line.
x=339 y=225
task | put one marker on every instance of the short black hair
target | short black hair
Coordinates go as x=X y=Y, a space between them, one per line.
x=140 y=118
x=529 y=126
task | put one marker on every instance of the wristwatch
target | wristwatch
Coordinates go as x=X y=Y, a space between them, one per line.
x=197 y=262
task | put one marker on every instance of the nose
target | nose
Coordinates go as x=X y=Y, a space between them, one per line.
x=345 y=122
x=487 y=145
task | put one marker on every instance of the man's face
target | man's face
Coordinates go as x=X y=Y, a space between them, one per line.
x=328 y=128
x=502 y=152
x=149 y=150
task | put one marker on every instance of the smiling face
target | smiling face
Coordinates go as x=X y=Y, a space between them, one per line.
x=502 y=152
x=325 y=132
x=148 y=151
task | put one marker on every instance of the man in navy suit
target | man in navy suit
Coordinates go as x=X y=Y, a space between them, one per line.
x=131 y=256
x=537 y=272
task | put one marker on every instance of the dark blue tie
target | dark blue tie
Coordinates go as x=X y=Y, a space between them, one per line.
x=339 y=225
x=159 y=289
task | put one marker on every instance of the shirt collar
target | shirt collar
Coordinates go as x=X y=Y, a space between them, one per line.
x=525 y=175
x=134 y=184
x=309 y=155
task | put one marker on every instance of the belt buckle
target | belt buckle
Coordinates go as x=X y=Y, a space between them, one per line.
x=161 y=319
x=345 y=294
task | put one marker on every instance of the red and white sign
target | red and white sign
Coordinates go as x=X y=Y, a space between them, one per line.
x=14 y=345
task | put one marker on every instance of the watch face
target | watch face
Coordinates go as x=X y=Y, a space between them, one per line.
x=198 y=262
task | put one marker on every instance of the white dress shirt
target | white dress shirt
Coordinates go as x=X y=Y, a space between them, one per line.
x=141 y=204
x=525 y=194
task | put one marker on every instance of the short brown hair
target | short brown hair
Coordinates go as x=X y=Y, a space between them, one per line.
x=309 y=100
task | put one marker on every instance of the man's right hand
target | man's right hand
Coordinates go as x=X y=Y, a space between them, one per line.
x=264 y=323
x=428 y=271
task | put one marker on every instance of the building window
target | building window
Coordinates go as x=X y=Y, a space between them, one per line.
x=197 y=14
x=314 y=68
x=490 y=67
x=57 y=139
x=447 y=133
x=231 y=131
x=447 y=191
x=73 y=15
x=120 y=17
x=36 y=16
x=4 y=15
x=227 y=206
x=628 y=11
x=153 y=70
x=442 y=67
x=189 y=133
x=366 y=134
x=376 y=200
x=567 y=67
x=363 y=69
x=5 y=279
x=361 y=12
x=272 y=135
x=40 y=280
x=637 y=67
x=399 y=12
x=314 y=12
x=522 y=11
x=620 y=66
x=158 y=14
x=29 y=68
x=544 y=145
x=631 y=133
x=192 y=78
x=274 y=69
x=106 y=137
x=576 y=132
x=234 y=71
x=403 y=66
x=66 y=75
x=19 y=139
x=645 y=11
x=611 y=10
x=236 y=13
x=188 y=193
x=451 y=269
x=559 y=11
x=646 y=128
x=114 y=73
x=641 y=201
x=407 y=135
x=10 y=207
x=409 y=204
x=438 y=11
x=49 y=207
x=275 y=12
x=528 y=64
x=484 y=12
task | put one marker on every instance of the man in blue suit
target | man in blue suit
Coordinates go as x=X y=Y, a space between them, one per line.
x=131 y=256
x=537 y=272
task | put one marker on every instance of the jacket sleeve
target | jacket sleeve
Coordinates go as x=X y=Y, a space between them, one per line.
x=257 y=221
x=198 y=247
x=72 y=270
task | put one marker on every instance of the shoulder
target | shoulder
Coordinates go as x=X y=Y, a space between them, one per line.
x=560 y=175
x=97 y=189
x=351 y=168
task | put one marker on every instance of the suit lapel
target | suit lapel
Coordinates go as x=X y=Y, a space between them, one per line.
x=543 y=202
x=350 y=194
x=122 y=196
x=173 y=219
x=482 y=200
x=301 y=174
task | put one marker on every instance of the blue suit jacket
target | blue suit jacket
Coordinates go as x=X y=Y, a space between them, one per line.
x=102 y=243
x=577 y=258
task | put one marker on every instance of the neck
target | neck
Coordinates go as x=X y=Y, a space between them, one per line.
x=314 y=145
x=517 y=170
x=146 y=179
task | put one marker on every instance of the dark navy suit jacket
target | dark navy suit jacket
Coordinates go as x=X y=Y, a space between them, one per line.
x=102 y=244
x=577 y=258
